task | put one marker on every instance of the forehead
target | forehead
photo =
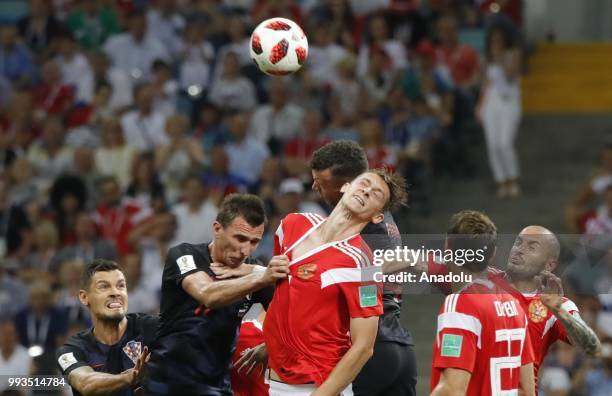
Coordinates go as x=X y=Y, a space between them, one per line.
x=107 y=276
x=530 y=237
x=323 y=175
x=241 y=226
x=374 y=180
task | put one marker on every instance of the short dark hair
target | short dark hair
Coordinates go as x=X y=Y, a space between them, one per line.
x=473 y=230
x=248 y=206
x=345 y=158
x=98 y=265
x=398 y=193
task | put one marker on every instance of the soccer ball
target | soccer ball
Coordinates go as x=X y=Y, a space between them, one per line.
x=278 y=46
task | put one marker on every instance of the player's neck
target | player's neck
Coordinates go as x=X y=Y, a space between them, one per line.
x=524 y=286
x=340 y=225
x=456 y=286
x=109 y=332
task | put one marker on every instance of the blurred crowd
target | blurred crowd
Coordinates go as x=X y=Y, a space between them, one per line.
x=124 y=123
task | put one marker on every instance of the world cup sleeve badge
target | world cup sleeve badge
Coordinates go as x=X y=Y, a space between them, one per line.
x=133 y=349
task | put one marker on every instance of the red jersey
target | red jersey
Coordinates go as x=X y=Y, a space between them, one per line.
x=251 y=334
x=483 y=330
x=544 y=328
x=116 y=223
x=307 y=324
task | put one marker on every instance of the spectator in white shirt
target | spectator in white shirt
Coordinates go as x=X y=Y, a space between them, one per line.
x=379 y=38
x=239 y=44
x=168 y=24
x=197 y=55
x=120 y=82
x=75 y=68
x=135 y=51
x=143 y=127
x=602 y=222
x=195 y=210
x=323 y=55
x=14 y=358
x=246 y=154
x=114 y=157
x=166 y=88
x=232 y=90
x=278 y=121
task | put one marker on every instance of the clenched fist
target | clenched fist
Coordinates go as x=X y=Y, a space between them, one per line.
x=278 y=268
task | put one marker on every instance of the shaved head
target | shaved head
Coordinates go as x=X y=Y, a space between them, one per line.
x=548 y=238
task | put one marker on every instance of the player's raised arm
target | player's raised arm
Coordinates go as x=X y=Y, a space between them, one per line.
x=212 y=294
x=92 y=383
x=363 y=334
x=453 y=382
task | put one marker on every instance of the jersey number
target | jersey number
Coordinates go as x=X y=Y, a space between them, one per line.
x=508 y=362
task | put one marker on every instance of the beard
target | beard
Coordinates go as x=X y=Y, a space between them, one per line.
x=112 y=318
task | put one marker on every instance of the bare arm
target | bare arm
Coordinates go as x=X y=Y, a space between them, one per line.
x=91 y=383
x=453 y=382
x=363 y=334
x=212 y=294
x=527 y=381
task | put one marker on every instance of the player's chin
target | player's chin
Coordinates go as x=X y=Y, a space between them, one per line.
x=112 y=315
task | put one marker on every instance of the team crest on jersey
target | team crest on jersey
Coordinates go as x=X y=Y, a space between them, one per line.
x=537 y=311
x=306 y=271
x=133 y=350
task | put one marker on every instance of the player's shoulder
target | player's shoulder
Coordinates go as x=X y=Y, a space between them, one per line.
x=183 y=249
x=80 y=341
x=303 y=219
x=353 y=253
x=143 y=321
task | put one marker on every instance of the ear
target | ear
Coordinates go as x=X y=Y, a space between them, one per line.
x=217 y=228
x=344 y=187
x=83 y=297
x=377 y=218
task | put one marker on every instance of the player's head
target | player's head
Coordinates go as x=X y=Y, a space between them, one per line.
x=104 y=290
x=239 y=228
x=334 y=165
x=471 y=237
x=535 y=249
x=373 y=192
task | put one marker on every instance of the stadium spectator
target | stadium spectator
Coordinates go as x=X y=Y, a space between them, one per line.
x=92 y=23
x=377 y=81
x=41 y=323
x=298 y=151
x=246 y=154
x=500 y=110
x=209 y=128
x=379 y=39
x=42 y=257
x=52 y=97
x=115 y=215
x=166 y=88
x=75 y=68
x=17 y=62
x=76 y=314
x=196 y=55
x=142 y=297
x=135 y=50
x=181 y=155
x=239 y=44
x=39 y=26
x=219 y=179
x=14 y=358
x=88 y=245
x=232 y=91
x=67 y=198
x=23 y=188
x=345 y=27
x=601 y=223
x=13 y=292
x=114 y=157
x=196 y=210
x=143 y=127
x=323 y=56
x=371 y=139
x=168 y=24
x=344 y=101
x=119 y=80
x=290 y=199
x=145 y=185
x=268 y=183
x=278 y=121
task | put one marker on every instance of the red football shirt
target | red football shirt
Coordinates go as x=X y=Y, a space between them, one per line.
x=544 y=328
x=251 y=334
x=307 y=325
x=483 y=330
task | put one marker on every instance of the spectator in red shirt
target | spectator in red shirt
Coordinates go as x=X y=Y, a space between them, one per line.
x=52 y=97
x=371 y=138
x=461 y=61
x=298 y=151
x=115 y=216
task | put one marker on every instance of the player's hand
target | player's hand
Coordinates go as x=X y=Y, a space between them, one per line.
x=551 y=290
x=251 y=358
x=134 y=375
x=222 y=271
x=278 y=268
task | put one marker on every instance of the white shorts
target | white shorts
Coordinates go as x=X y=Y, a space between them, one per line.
x=281 y=389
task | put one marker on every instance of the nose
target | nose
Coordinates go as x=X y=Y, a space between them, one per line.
x=245 y=249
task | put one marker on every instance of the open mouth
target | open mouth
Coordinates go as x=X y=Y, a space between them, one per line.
x=515 y=260
x=114 y=305
x=359 y=199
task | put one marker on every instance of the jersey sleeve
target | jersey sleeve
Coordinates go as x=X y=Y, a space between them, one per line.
x=70 y=357
x=281 y=232
x=183 y=260
x=559 y=329
x=147 y=325
x=458 y=335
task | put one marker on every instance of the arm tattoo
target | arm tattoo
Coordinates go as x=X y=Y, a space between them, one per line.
x=579 y=333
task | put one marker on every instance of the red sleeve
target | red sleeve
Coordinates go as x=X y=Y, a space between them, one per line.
x=456 y=343
x=527 y=356
x=470 y=61
x=363 y=299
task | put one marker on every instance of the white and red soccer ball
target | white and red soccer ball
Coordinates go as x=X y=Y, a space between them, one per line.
x=279 y=46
